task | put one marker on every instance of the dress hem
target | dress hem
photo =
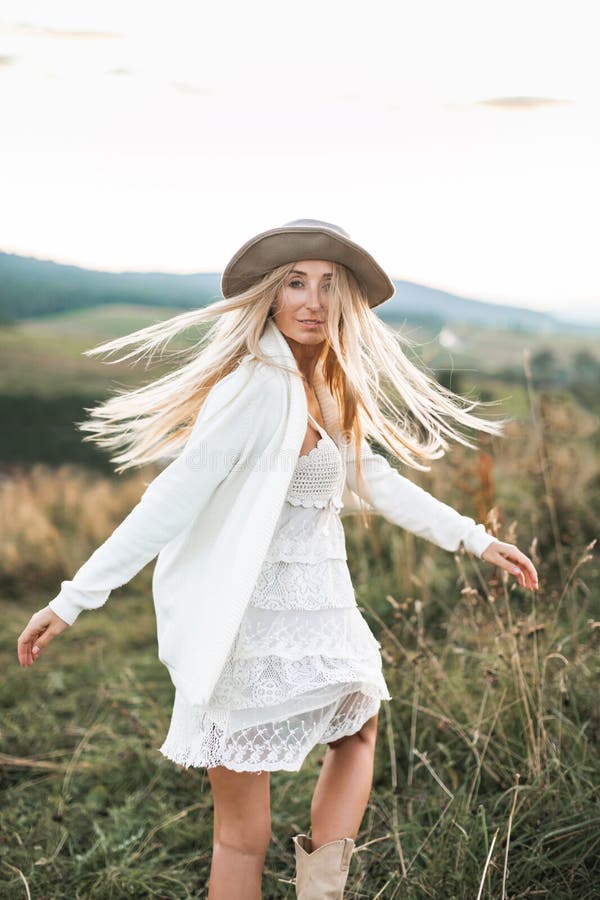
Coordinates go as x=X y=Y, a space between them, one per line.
x=183 y=759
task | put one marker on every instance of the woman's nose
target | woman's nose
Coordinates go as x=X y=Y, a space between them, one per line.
x=313 y=300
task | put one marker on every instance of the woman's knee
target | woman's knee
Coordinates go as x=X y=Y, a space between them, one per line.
x=242 y=813
x=244 y=839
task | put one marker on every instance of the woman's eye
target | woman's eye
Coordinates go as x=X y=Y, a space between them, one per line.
x=296 y=281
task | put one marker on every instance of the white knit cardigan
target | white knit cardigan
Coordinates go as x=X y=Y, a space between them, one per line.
x=210 y=515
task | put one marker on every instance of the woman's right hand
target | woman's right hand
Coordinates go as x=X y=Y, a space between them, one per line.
x=43 y=626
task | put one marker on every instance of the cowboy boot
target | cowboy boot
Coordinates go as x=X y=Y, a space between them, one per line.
x=322 y=873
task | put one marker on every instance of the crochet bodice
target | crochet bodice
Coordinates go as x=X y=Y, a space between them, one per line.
x=317 y=479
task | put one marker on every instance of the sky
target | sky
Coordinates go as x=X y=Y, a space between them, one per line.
x=458 y=142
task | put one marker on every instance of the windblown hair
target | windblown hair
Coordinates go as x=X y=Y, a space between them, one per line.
x=380 y=393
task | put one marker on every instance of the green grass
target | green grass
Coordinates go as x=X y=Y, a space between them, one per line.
x=488 y=350
x=92 y=809
x=44 y=356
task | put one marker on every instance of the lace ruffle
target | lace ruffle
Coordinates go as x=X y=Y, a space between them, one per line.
x=294 y=633
x=294 y=585
x=307 y=535
x=267 y=680
x=196 y=738
x=317 y=502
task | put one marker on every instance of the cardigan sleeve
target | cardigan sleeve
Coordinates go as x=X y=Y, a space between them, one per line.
x=404 y=503
x=169 y=503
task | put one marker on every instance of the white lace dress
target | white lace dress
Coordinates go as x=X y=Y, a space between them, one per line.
x=304 y=668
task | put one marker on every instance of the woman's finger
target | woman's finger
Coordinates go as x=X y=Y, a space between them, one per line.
x=30 y=646
x=42 y=628
x=513 y=560
x=523 y=562
x=24 y=644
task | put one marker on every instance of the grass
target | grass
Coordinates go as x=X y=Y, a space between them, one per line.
x=45 y=355
x=487 y=770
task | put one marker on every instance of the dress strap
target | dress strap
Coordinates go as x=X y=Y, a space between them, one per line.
x=320 y=427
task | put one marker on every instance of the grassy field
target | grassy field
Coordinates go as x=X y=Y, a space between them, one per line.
x=44 y=355
x=487 y=773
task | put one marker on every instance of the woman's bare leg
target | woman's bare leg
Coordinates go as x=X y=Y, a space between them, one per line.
x=342 y=791
x=241 y=833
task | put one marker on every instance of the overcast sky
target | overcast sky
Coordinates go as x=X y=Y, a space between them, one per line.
x=458 y=141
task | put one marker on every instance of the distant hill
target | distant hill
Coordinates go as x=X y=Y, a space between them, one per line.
x=416 y=301
x=35 y=287
x=31 y=287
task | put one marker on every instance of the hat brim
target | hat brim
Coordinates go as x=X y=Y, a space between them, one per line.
x=278 y=246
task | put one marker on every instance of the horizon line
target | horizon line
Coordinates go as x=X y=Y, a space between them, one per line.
x=518 y=305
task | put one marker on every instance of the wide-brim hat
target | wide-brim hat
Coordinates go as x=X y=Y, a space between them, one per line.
x=304 y=239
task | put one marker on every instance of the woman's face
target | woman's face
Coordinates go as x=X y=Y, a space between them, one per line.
x=301 y=304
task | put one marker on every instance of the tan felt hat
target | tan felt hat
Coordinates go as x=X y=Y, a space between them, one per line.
x=304 y=239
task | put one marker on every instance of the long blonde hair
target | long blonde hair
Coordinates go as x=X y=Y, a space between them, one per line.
x=364 y=362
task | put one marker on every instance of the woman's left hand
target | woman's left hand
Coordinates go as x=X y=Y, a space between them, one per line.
x=509 y=557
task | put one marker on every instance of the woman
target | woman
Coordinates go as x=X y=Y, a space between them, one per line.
x=257 y=621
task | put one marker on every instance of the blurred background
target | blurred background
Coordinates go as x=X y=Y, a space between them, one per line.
x=141 y=145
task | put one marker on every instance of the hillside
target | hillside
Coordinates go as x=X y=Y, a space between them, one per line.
x=31 y=287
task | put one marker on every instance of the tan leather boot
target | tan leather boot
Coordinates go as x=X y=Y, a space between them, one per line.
x=321 y=874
